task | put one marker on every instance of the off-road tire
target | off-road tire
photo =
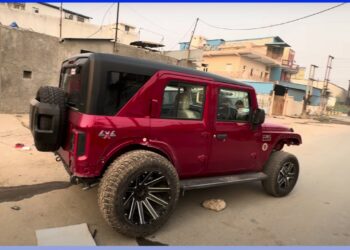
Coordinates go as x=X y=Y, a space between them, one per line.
x=272 y=169
x=56 y=96
x=116 y=181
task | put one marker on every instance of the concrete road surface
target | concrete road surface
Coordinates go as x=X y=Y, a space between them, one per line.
x=317 y=212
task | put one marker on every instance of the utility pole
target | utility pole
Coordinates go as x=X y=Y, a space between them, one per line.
x=348 y=99
x=324 y=97
x=189 y=45
x=116 y=30
x=308 y=92
x=61 y=9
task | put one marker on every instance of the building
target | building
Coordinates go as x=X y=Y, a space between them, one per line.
x=257 y=59
x=48 y=10
x=335 y=93
x=268 y=65
x=29 y=60
x=45 y=18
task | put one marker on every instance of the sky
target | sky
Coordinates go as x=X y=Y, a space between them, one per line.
x=312 y=39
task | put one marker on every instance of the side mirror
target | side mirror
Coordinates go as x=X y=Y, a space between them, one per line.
x=258 y=117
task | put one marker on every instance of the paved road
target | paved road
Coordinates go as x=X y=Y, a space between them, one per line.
x=317 y=212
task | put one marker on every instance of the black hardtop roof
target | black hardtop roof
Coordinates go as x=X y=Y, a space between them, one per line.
x=150 y=67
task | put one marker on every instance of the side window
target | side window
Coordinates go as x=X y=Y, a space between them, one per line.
x=183 y=101
x=121 y=87
x=233 y=105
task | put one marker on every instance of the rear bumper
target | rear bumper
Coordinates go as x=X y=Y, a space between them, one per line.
x=74 y=179
x=65 y=164
x=72 y=154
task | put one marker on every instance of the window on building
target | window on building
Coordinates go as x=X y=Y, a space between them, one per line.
x=27 y=74
x=80 y=19
x=126 y=28
x=205 y=67
x=68 y=16
x=244 y=67
x=251 y=72
x=261 y=75
x=183 y=101
x=266 y=77
x=274 y=52
x=233 y=105
x=19 y=6
x=35 y=10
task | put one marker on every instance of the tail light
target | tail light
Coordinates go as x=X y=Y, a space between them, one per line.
x=81 y=143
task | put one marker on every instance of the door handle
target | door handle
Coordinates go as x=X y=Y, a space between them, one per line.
x=220 y=136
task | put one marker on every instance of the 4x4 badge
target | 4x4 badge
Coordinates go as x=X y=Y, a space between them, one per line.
x=104 y=134
x=266 y=137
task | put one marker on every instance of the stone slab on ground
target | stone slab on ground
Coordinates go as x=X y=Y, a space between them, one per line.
x=74 y=235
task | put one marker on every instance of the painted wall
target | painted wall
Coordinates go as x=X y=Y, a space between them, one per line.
x=214 y=43
x=338 y=92
x=292 y=107
x=228 y=66
x=42 y=55
x=253 y=70
x=235 y=67
x=300 y=75
x=261 y=87
x=43 y=10
x=49 y=25
x=20 y=51
x=264 y=102
x=276 y=73
x=297 y=94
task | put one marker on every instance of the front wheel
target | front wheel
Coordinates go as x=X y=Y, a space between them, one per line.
x=282 y=170
x=138 y=193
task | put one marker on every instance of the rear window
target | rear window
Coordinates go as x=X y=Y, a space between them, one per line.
x=71 y=83
x=121 y=87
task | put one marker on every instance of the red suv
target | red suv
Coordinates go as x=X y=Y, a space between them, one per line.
x=149 y=130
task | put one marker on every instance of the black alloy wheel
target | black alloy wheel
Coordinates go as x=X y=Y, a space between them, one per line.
x=147 y=198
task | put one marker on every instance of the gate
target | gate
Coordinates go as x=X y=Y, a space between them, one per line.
x=278 y=105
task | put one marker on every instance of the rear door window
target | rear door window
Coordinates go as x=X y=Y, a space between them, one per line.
x=183 y=101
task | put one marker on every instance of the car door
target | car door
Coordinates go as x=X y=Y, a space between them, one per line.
x=234 y=141
x=180 y=127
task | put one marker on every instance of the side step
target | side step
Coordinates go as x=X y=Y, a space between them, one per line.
x=216 y=181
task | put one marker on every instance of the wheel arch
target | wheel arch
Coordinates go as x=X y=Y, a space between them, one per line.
x=286 y=140
x=132 y=147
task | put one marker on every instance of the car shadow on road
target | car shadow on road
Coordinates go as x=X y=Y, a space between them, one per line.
x=17 y=193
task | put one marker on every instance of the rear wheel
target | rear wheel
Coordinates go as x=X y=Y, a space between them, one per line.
x=282 y=170
x=138 y=193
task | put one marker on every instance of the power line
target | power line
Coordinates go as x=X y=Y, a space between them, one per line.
x=277 y=24
x=145 y=18
x=186 y=33
x=103 y=19
x=153 y=32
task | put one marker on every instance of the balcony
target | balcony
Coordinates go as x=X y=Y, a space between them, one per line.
x=249 y=53
x=290 y=67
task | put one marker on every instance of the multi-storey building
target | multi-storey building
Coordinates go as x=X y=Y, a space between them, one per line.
x=51 y=20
